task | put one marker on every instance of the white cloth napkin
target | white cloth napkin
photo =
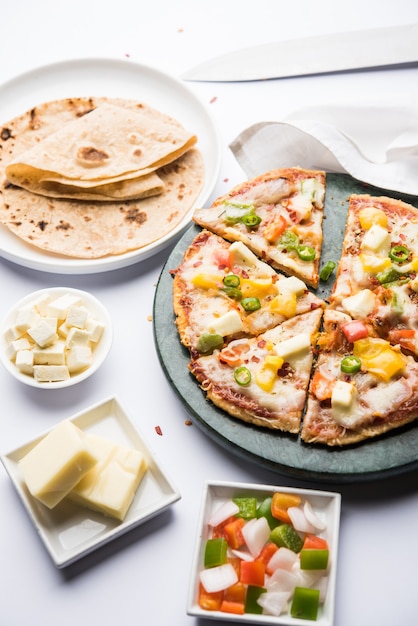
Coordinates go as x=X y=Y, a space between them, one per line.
x=374 y=144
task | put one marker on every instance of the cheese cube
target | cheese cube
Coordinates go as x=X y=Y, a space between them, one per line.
x=59 y=307
x=25 y=318
x=110 y=486
x=77 y=316
x=50 y=373
x=24 y=361
x=291 y=285
x=16 y=345
x=376 y=239
x=11 y=333
x=57 y=463
x=243 y=255
x=77 y=337
x=342 y=395
x=78 y=358
x=227 y=324
x=95 y=329
x=42 y=333
x=294 y=346
x=361 y=304
x=51 y=355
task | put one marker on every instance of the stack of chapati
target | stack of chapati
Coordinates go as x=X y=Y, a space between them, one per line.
x=90 y=177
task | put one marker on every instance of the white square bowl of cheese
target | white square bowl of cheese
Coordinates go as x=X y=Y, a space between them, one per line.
x=70 y=531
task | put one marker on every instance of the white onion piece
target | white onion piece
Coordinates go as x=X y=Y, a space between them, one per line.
x=299 y=520
x=227 y=509
x=283 y=558
x=244 y=556
x=218 y=578
x=312 y=517
x=274 y=602
x=256 y=533
x=282 y=580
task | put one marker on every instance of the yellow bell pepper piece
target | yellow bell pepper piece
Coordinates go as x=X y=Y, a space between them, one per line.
x=267 y=373
x=371 y=215
x=374 y=264
x=256 y=288
x=414 y=264
x=284 y=303
x=379 y=358
x=207 y=281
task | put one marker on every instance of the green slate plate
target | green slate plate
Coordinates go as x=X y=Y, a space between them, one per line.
x=389 y=455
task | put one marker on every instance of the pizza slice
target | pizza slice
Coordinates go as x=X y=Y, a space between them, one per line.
x=278 y=215
x=263 y=380
x=361 y=387
x=222 y=291
x=377 y=273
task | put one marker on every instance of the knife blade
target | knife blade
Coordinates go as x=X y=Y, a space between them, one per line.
x=320 y=54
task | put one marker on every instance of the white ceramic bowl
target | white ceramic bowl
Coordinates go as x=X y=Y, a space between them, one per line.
x=100 y=351
x=326 y=506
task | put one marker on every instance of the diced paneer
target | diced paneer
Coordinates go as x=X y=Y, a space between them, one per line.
x=376 y=239
x=59 y=307
x=343 y=394
x=79 y=358
x=294 y=346
x=51 y=355
x=42 y=334
x=95 y=329
x=77 y=316
x=25 y=318
x=16 y=345
x=227 y=324
x=361 y=304
x=51 y=373
x=24 y=361
x=77 y=337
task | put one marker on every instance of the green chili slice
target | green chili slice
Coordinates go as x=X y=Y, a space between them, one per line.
x=399 y=254
x=306 y=253
x=242 y=376
x=327 y=270
x=231 y=280
x=388 y=276
x=350 y=364
x=233 y=292
x=251 y=220
x=251 y=304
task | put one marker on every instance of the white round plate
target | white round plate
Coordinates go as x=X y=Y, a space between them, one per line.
x=100 y=352
x=110 y=78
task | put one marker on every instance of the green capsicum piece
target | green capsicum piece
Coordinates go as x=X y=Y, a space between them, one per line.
x=286 y=536
x=252 y=595
x=311 y=558
x=305 y=603
x=215 y=552
x=247 y=506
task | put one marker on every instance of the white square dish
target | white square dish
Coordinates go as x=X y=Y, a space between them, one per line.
x=70 y=531
x=326 y=506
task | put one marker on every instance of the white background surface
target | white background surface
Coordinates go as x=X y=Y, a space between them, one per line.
x=143 y=578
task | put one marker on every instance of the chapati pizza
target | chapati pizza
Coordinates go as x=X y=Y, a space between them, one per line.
x=334 y=373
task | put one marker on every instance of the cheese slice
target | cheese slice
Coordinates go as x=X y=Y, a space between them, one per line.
x=110 y=486
x=57 y=463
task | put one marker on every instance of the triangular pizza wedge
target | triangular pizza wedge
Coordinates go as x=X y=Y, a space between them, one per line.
x=377 y=273
x=361 y=387
x=222 y=291
x=278 y=215
x=263 y=380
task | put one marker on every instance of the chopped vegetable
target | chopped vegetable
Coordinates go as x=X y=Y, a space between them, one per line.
x=247 y=507
x=251 y=601
x=275 y=229
x=210 y=601
x=208 y=342
x=286 y=536
x=218 y=578
x=250 y=304
x=215 y=552
x=314 y=542
x=305 y=603
x=242 y=376
x=289 y=240
x=355 y=330
x=405 y=337
x=234 y=213
x=231 y=280
x=372 y=215
x=252 y=573
x=388 y=276
x=264 y=510
x=306 y=253
x=327 y=270
x=314 y=558
x=399 y=254
x=226 y=510
x=233 y=533
x=350 y=364
x=280 y=503
x=251 y=220
x=233 y=292
x=379 y=358
x=256 y=534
